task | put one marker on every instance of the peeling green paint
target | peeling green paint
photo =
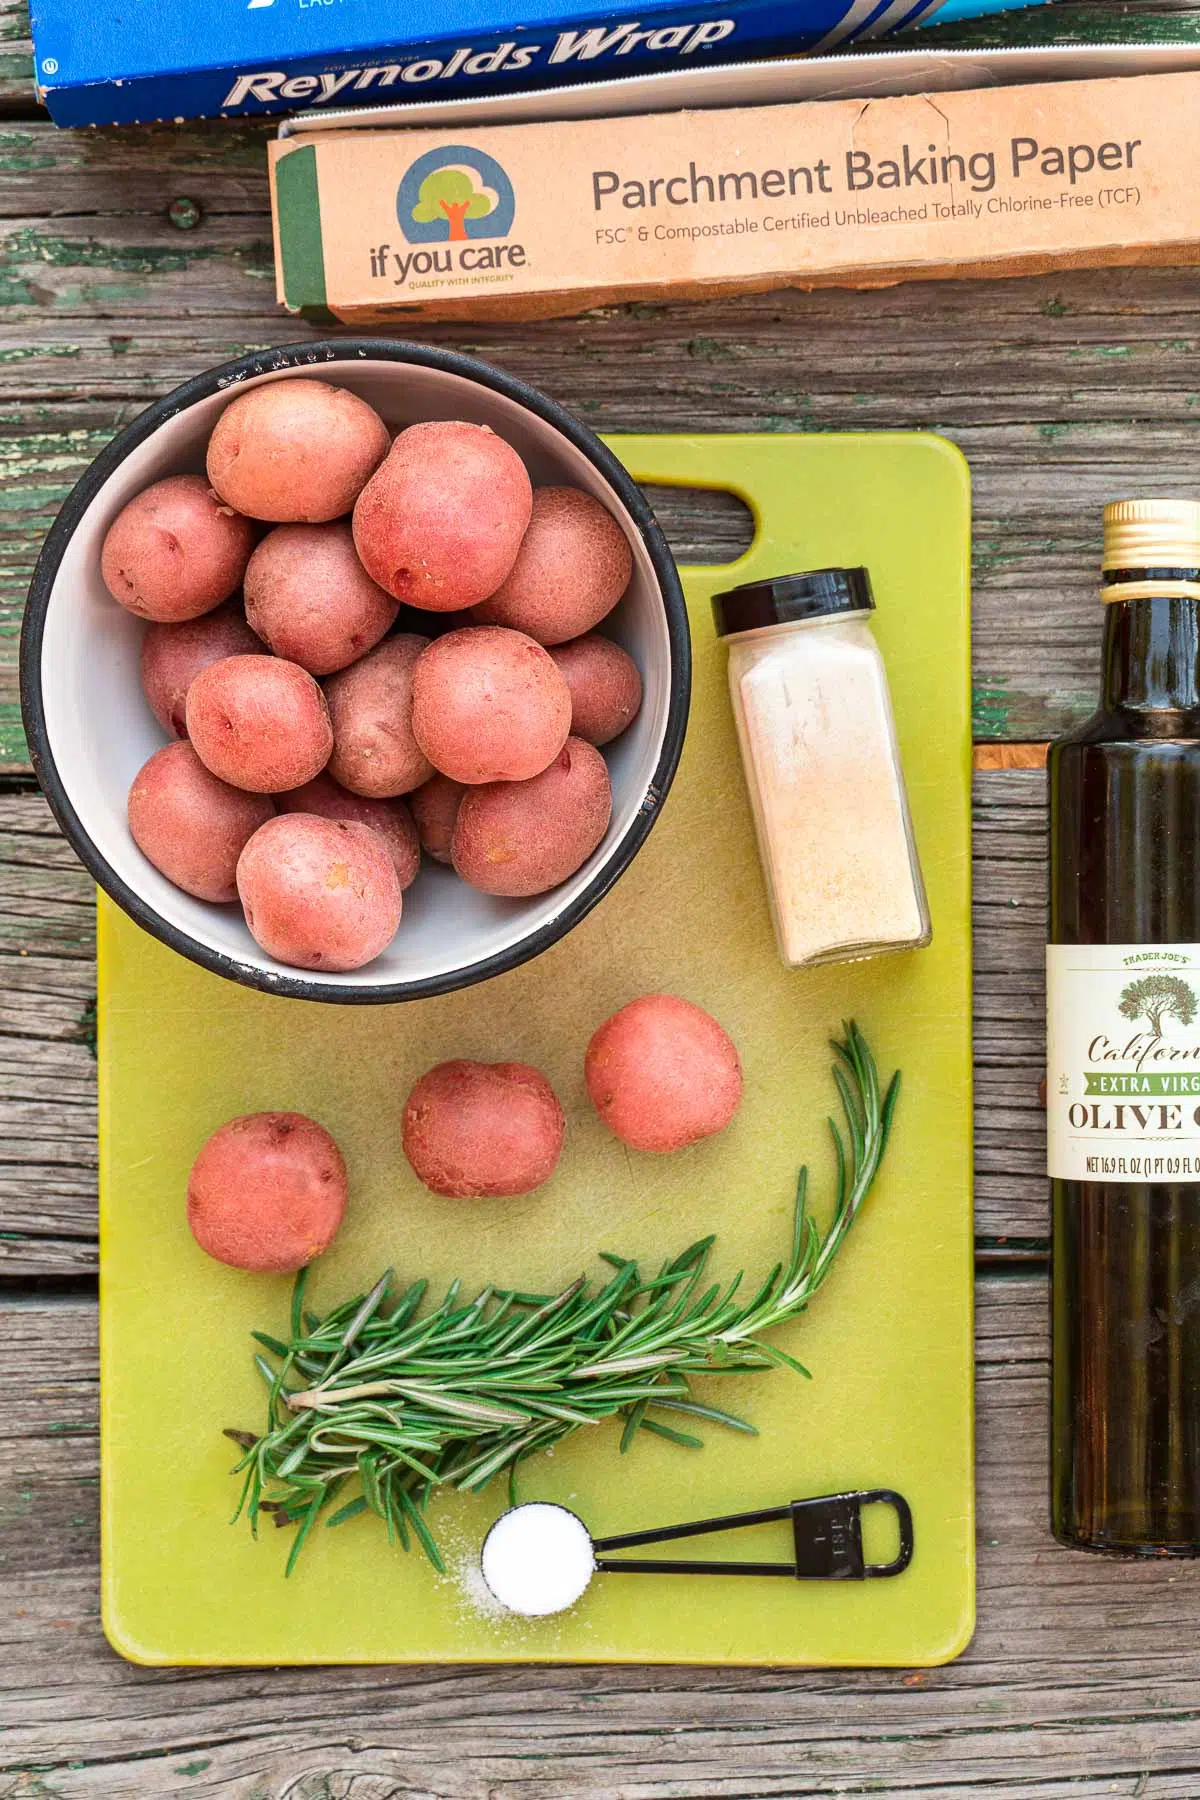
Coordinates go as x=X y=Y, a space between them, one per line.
x=196 y=1767
x=33 y=499
x=29 y=245
x=29 y=1785
x=706 y=349
x=1054 y=308
x=1088 y=352
x=14 y=751
x=19 y=153
x=15 y=353
x=1095 y=23
x=990 y=710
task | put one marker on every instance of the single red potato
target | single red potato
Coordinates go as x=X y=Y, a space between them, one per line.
x=191 y=826
x=606 y=689
x=489 y=705
x=573 y=566
x=390 y=818
x=663 y=1074
x=516 y=838
x=312 y=601
x=267 y=1192
x=175 y=551
x=440 y=522
x=259 y=723
x=475 y=1130
x=295 y=450
x=319 y=893
x=173 y=656
x=435 y=808
x=370 y=704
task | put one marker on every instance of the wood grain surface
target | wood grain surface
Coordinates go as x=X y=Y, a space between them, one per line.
x=130 y=260
x=1083 y=1680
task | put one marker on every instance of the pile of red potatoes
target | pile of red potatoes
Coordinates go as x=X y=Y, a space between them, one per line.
x=317 y=750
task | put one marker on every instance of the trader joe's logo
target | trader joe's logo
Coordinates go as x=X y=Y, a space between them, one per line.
x=454 y=195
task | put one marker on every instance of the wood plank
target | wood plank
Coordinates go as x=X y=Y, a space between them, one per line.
x=1062 y=392
x=1068 y=22
x=1083 y=1680
x=47 y=1072
x=16 y=58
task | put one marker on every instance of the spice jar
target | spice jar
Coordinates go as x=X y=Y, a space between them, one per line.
x=819 y=752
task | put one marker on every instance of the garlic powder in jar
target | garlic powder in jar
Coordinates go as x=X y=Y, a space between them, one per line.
x=822 y=765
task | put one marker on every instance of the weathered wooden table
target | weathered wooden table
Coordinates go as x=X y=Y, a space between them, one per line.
x=134 y=259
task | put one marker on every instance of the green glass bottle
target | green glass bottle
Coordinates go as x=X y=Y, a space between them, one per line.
x=1123 y=1063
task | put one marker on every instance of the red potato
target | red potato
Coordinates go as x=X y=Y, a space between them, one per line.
x=475 y=1130
x=175 y=551
x=439 y=524
x=173 y=656
x=267 y=1192
x=312 y=601
x=296 y=450
x=516 y=838
x=606 y=689
x=435 y=808
x=319 y=893
x=663 y=1074
x=489 y=705
x=259 y=723
x=370 y=704
x=573 y=566
x=191 y=826
x=391 y=819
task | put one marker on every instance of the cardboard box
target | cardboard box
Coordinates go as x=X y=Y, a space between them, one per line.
x=144 y=60
x=542 y=217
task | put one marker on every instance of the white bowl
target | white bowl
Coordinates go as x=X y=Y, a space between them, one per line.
x=90 y=729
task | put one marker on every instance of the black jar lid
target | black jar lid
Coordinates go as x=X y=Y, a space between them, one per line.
x=787 y=599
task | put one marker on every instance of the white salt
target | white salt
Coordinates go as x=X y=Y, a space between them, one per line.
x=818 y=742
x=538 y=1559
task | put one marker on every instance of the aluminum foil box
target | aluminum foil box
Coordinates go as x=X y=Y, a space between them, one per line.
x=141 y=60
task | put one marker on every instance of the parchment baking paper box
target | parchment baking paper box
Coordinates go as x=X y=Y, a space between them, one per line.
x=546 y=216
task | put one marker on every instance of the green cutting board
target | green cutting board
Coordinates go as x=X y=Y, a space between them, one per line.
x=889 y=1342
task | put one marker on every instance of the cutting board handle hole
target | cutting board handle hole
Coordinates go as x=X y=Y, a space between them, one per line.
x=702 y=525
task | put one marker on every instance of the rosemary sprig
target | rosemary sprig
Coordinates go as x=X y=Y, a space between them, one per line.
x=397 y=1403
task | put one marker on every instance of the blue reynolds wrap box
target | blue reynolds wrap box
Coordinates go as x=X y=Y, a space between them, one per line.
x=127 y=61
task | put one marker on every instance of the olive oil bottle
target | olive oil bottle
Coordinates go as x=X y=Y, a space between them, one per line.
x=1123 y=1062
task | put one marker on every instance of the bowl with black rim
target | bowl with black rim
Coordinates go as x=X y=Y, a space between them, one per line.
x=90 y=729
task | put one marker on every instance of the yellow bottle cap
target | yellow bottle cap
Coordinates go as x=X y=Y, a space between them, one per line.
x=1152 y=534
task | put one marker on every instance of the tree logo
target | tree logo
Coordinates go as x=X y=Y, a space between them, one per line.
x=1157 y=997
x=453 y=195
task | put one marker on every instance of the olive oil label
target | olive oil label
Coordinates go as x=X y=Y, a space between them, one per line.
x=1123 y=1062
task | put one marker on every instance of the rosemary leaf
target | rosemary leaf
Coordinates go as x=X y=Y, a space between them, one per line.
x=633 y=1422
x=675 y=1437
x=352 y=1510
